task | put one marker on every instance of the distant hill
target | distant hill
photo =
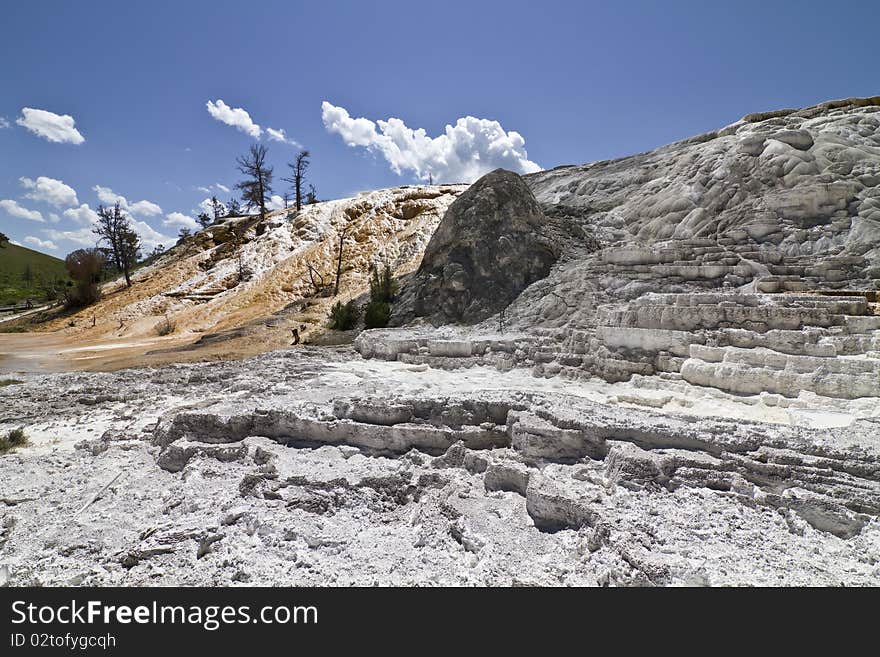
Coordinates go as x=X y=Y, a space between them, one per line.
x=24 y=273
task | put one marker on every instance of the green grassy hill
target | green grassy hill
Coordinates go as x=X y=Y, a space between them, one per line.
x=26 y=273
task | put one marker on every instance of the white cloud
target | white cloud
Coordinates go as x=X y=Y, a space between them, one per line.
x=54 y=218
x=4 y=123
x=80 y=236
x=237 y=117
x=141 y=208
x=42 y=244
x=205 y=206
x=466 y=151
x=179 y=219
x=49 y=190
x=275 y=203
x=108 y=196
x=58 y=128
x=85 y=216
x=82 y=215
x=280 y=135
x=13 y=209
x=145 y=208
x=150 y=237
x=209 y=189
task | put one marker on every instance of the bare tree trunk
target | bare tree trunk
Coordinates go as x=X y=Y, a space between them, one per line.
x=312 y=273
x=339 y=259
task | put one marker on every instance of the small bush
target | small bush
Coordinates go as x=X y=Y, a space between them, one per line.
x=165 y=327
x=81 y=295
x=382 y=286
x=14 y=328
x=9 y=382
x=15 y=438
x=344 y=316
x=377 y=314
x=383 y=289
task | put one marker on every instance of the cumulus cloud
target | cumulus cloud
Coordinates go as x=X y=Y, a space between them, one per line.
x=150 y=237
x=275 y=203
x=54 y=218
x=237 y=117
x=13 y=209
x=108 y=196
x=82 y=215
x=280 y=135
x=466 y=151
x=49 y=190
x=208 y=207
x=179 y=219
x=80 y=236
x=145 y=208
x=141 y=208
x=41 y=244
x=57 y=128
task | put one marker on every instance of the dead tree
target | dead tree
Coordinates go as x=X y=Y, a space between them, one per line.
x=257 y=186
x=298 y=170
x=316 y=285
x=342 y=235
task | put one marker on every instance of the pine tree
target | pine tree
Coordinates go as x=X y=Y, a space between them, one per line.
x=123 y=243
x=217 y=208
x=312 y=196
x=204 y=219
x=256 y=189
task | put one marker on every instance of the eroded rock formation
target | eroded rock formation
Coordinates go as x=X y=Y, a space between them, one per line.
x=491 y=244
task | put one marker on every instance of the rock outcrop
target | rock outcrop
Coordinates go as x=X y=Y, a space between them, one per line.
x=785 y=201
x=491 y=244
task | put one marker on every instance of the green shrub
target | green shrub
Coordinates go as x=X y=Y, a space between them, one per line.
x=9 y=382
x=377 y=314
x=382 y=286
x=383 y=289
x=344 y=316
x=81 y=295
x=13 y=439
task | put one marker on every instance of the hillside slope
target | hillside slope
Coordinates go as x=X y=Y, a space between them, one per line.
x=239 y=287
x=18 y=264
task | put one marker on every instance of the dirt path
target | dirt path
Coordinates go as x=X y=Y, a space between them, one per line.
x=61 y=351
x=56 y=352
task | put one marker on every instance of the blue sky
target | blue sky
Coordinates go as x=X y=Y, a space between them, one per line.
x=547 y=84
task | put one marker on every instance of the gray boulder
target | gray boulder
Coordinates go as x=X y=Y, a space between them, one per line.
x=493 y=242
